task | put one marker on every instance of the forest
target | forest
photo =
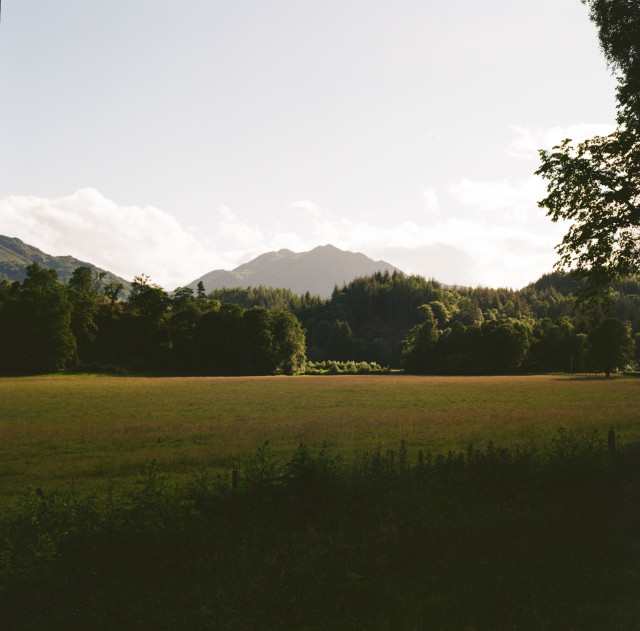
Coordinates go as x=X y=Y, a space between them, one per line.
x=424 y=327
x=392 y=320
x=50 y=326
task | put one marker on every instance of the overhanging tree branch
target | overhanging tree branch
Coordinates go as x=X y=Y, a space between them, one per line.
x=596 y=184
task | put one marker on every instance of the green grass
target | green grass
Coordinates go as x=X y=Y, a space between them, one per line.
x=92 y=433
x=544 y=536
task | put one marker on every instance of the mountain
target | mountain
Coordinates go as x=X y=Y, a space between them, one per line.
x=15 y=256
x=316 y=271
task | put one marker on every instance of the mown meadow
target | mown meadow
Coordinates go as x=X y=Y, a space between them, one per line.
x=367 y=508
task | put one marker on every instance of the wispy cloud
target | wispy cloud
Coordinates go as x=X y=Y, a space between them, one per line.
x=528 y=140
x=489 y=195
x=505 y=241
x=501 y=200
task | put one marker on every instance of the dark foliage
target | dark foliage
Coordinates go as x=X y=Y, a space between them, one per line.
x=496 y=539
x=388 y=320
x=51 y=327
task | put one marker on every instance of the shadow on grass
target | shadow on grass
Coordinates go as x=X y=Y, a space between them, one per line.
x=596 y=376
x=543 y=537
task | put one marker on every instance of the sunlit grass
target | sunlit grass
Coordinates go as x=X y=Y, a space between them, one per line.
x=94 y=432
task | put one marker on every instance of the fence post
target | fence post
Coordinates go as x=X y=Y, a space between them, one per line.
x=611 y=442
x=234 y=479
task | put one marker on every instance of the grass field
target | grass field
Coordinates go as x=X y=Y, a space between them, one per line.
x=542 y=537
x=90 y=432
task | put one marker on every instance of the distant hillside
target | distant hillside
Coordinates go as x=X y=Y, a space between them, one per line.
x=15 y=256
x=316 y=271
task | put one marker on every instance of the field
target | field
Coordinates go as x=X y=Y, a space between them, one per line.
x=94 y=432
x=542 y=537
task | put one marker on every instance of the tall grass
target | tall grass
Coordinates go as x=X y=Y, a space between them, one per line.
x=532 y=538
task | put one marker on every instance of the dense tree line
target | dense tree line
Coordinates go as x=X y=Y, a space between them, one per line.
x=478 y=330
x=49 y=326
x=510 y=345
x=267 y=297
x=393 y=319
x=366 y=320
x=389 y=319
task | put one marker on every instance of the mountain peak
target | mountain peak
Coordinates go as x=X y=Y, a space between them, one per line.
x=327 y=248
x=317 y=271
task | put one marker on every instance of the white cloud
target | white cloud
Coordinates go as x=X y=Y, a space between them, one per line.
x=453 y=249
x=502 y=200
x=235 y=235
x=480 y=232
x=467 y=253
x=528 y=141
x=129 y=240
x=431 y=201
x=307 y=207
x=508 y=235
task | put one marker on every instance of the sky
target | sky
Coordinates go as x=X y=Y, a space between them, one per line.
x=174 y=138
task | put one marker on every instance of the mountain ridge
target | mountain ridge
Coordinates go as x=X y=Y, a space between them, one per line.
x=16 y=256
x=317 y=271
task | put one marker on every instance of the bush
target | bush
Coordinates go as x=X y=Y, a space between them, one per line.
x=331 y=367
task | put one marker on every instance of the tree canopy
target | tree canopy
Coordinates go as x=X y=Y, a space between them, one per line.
x=618 y=23
x=390 y=319
x=50 y=326
x=609 y=346
x=595 y=184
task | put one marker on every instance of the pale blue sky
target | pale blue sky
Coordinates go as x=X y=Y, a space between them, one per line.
x=173 y=138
